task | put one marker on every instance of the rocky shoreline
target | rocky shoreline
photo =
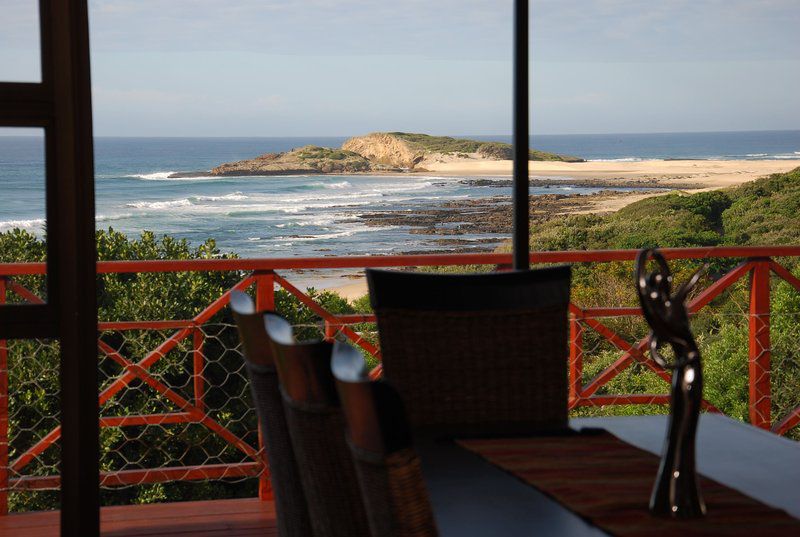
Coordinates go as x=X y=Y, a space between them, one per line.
x=379 y=152
x=491 y=215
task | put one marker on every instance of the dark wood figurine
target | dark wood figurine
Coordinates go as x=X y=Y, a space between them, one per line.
x=676 y=492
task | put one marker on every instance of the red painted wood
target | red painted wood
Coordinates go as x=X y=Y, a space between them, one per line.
x=759 y=347
x=265 y=280
x=716 y=288
x=627 y=399
x=267 y=264
x=3 y=413
x=575 y=361
x=597 y=313
x=265 y=290
x=784 y=273
x=326 y=315
x=265 y=301
x=635 y=351
x=144 y=325
x=140 y=372
x=146 y=419
x=788 y=423
x=149 y=475
x=355 y=318
x=216 y=518
x=198 y=364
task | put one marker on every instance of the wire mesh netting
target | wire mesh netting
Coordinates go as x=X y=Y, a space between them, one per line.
x=722 y=330
x=178 y=421
x=33 y=415
x=198 y=386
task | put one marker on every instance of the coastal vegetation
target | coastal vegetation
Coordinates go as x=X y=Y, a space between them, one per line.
x=376 y=152
x=34 y=380
x=491 y=150
x=760 y=212
x=309 y=159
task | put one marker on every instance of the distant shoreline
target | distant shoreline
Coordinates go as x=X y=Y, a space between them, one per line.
x=688 y=174
x=656 y=175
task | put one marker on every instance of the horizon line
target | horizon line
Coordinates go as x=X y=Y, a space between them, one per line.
x=630 y=133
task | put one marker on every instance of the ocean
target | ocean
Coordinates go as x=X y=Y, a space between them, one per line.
x=309 y=215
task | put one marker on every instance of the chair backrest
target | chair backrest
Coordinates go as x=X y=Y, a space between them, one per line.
x=316 y=426
x=388 y=468
x=478 y=353
x=290 y=501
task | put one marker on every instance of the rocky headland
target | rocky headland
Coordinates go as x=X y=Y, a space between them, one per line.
x=379 y=152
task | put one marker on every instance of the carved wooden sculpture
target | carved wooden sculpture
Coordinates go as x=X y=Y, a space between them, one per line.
x=676 y=492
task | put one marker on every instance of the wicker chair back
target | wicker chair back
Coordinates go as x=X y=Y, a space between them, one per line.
x=316 y=426
x=290 y=501
x=476 y=354
x=388 y=468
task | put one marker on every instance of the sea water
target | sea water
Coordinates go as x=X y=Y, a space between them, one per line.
x=308 y=215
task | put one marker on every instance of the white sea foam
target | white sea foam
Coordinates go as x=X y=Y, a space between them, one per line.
x=155 y=176
x=321 y=237
x=235 y=196
x=32 y=224
x=160 y=204
x=323 y=221
x=165 y=176
x=111 y=217
x=337 y=186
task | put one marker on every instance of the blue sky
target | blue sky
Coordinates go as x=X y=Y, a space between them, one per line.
x=342 y=67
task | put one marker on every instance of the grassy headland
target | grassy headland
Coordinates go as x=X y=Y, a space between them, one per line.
x=462 y=147
x=374 y=153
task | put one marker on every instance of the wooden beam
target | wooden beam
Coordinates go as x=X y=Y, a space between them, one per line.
x=521 y=138
x=72 y=256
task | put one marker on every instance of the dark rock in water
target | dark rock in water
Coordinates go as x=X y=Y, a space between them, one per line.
x=394 y=152
x=302 y=161
x=189 y=175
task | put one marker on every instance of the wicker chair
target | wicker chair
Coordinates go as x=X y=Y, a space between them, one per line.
x=388 y=468
x=476 y=354
x=316 y=426
x=290 y=501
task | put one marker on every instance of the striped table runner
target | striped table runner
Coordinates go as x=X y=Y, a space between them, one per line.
x=607 y=482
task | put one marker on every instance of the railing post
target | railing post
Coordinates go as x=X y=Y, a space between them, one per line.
x=265 y=290
x=265 y=300
x=575 y=360
x=4 y=395
x=759 y=346
x=198 y=363
x=330 y=331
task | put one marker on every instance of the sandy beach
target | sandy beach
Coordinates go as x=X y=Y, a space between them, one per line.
x=707 y=173
x=684 y=175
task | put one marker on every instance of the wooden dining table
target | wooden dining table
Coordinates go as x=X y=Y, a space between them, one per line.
x=471 y=496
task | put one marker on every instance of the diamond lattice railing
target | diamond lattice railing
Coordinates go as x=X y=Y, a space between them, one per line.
x=175 y=404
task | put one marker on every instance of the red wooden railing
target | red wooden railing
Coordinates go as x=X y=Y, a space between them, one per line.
x=757 y=262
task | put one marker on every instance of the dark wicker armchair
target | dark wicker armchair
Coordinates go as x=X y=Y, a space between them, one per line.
x=290 y=502
x=388 y=468
x=476 y=354
x=316 y=426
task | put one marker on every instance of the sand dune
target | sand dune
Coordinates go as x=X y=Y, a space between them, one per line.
x=706 y=173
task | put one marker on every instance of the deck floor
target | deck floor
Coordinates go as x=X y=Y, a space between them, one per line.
x=228 y=518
